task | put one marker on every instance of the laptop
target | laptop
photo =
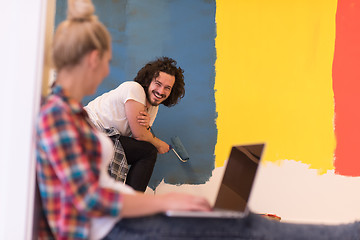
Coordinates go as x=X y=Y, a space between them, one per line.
x=236 y=185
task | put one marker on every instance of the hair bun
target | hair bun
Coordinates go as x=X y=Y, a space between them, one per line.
x=80 y=10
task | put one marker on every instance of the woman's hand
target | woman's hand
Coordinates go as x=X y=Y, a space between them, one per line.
x=184 y=202
x=140 y=204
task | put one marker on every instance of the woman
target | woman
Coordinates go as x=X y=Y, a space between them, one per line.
x=79 y=200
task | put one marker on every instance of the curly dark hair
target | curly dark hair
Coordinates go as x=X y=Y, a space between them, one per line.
x=167 y=65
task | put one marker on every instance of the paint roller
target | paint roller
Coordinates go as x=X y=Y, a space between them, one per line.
x=179 y=149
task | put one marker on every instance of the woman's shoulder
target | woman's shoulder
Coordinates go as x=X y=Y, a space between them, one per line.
x=53 y=103
x=56 y=107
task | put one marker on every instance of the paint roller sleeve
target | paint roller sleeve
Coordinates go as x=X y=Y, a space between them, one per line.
x=179 y=148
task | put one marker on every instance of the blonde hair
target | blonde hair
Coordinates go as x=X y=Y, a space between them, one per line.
x=79 y=34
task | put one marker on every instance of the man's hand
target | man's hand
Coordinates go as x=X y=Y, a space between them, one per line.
x=144 y=119
x=162 y=146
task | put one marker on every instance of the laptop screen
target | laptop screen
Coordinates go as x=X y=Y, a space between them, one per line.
x=239 y=176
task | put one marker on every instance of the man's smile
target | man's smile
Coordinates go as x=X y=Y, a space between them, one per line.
x=158 y=95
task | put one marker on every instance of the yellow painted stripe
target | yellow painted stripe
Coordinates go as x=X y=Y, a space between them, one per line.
x=273 y=78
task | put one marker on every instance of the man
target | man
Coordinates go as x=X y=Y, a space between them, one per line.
x=131 y=109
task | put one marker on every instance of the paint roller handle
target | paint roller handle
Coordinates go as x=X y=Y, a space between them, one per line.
x=171 y=148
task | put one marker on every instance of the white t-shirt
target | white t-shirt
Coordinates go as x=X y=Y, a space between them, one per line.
x=109 y=108
x=101 y=226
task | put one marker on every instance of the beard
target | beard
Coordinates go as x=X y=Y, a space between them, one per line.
x=155 y=103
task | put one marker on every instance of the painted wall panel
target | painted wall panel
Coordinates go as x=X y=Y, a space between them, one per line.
x=184 y=30
x=273 y=79
x=346 y=85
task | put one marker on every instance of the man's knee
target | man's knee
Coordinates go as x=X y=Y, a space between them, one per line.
x=150 y=149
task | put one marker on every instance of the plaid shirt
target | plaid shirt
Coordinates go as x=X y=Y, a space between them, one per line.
x=118 y=167
x=68 y=162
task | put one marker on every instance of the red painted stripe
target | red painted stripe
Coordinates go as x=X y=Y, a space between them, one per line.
x=346 y=86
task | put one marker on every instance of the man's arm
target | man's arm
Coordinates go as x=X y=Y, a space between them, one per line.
x=144 y=119
x=139 y=132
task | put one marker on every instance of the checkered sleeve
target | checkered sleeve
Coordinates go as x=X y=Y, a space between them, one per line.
x=75 y=155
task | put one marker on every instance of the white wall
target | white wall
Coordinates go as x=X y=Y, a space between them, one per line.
x=21 y=48
x=299 y=194
x=292 y=191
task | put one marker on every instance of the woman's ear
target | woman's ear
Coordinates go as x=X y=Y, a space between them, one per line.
x=94 y=59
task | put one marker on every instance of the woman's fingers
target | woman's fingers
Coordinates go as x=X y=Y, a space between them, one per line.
x=180 y=201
